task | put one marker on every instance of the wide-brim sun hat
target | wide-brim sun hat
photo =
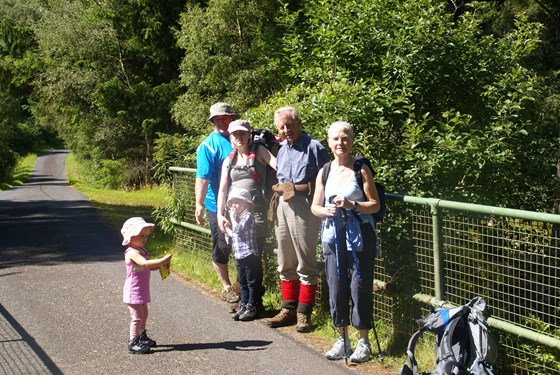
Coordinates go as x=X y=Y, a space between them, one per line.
x=133 y=226
x=239 y=125
x=221 y=109
x=239 y=194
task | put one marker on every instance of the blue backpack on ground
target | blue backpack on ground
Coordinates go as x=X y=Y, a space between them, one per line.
x=359 y=161
x=464 y=343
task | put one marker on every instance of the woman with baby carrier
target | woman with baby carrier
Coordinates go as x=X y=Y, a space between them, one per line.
x=246 y=168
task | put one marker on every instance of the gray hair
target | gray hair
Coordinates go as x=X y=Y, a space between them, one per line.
x=294 y=114
x=341 y=125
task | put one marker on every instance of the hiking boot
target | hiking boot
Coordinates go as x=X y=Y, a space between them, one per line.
x=240 y=310
x=362 y=352
x=145 y=340
x=135 y=347
x=339 y=350
x=303 y=323
x=250 y=313
x=229 y=295
x=284 y=318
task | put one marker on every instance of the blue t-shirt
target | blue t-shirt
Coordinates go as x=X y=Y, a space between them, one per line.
x=300 y=162
x=209 y=157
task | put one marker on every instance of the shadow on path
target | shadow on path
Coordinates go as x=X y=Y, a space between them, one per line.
x=20 y=352
x=247 y=345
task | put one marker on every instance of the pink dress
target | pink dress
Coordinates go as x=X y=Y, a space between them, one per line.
x=136 y=288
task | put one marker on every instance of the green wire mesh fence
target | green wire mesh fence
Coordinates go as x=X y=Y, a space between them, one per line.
x=437 y=252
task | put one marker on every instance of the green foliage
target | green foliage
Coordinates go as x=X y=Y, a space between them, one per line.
x=109 y=81
x=18 y=65
x=442 y=108
x=8 y=160
x=545 y=357
x=173 y=151
x=21 y=171
x=231 y=54
x=457 y=106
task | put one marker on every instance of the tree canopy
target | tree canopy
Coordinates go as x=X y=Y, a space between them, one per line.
x=450 y=99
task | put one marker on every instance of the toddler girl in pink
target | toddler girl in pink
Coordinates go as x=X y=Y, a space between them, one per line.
x=136 y=290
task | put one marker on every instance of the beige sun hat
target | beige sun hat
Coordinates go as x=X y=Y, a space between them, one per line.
x=239 y=194
x=132 y=227
x=221 y=109
x=242 y=125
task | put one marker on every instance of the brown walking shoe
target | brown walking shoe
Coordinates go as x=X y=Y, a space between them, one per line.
x=284 y=318
x=229 y=295
x=303 y=323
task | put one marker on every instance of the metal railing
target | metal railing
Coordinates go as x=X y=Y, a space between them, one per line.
x=438 y=252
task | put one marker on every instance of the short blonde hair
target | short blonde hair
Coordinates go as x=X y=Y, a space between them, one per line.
x=341 y=125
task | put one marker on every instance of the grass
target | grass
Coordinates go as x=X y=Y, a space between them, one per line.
x=22 y=171
x=117 y=206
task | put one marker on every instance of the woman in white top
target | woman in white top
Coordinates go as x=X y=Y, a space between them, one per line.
x=349 y=242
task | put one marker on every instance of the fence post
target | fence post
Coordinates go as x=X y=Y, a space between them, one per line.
x=439 y=275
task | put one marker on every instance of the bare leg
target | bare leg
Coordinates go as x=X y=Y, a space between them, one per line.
x=223 y=273
x=364 y=334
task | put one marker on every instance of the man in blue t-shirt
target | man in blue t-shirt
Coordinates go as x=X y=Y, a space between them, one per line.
x=209 y=157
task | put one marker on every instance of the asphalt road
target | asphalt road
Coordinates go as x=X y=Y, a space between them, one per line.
x=61 y=310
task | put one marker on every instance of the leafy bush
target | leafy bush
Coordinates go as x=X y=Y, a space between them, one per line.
x=8 y=160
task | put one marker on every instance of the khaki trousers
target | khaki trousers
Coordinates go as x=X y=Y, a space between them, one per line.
x=297 y=231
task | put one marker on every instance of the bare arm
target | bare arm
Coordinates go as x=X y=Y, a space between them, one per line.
x=134 y=256
x=222 y=195
x=266 y=157
x=371 y=204
x=317 y=207
x=200 y=190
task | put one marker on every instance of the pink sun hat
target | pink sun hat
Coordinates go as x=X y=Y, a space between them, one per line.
x=133 y=226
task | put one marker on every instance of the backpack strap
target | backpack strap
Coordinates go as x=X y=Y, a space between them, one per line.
x=453 y=347
x=326 y=171
x=251 y=156
x=359 y=161
x=412 y=363
x=230 y=159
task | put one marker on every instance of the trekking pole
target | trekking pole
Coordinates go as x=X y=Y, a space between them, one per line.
x=344 y=339
x=340 y=266
x=381 y=357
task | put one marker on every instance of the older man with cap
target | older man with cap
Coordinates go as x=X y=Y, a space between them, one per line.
x=209 y=157
x=298 y=161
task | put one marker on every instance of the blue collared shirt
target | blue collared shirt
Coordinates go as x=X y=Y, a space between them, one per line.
x=300 y=162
